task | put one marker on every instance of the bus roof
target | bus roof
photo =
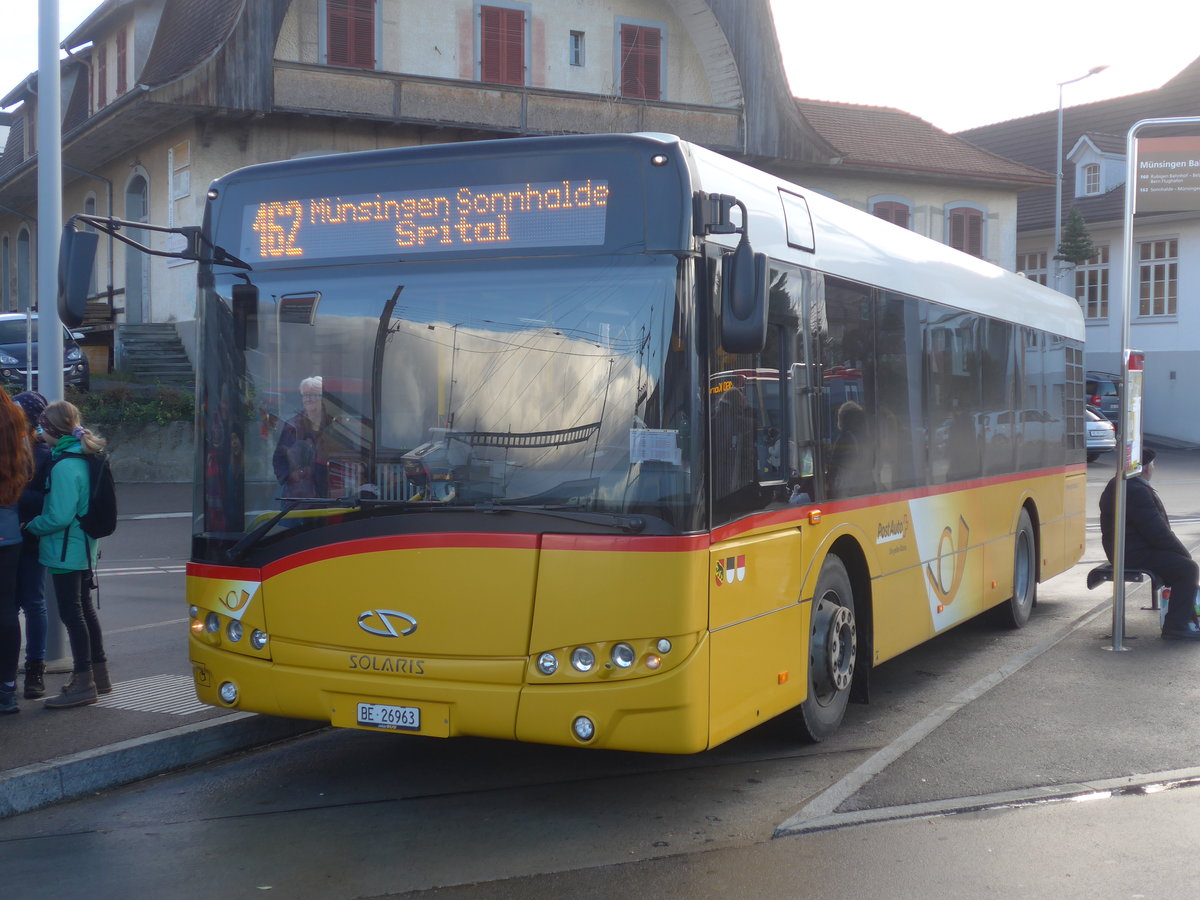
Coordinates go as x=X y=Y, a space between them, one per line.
x=860 y=247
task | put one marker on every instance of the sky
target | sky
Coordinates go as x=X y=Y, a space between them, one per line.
x=954 y=63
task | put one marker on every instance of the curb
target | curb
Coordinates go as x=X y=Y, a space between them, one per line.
x=71 y=777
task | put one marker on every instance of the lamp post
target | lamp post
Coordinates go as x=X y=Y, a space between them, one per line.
x=1058 y=181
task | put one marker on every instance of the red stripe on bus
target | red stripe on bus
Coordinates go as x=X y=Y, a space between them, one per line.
x=798 y=514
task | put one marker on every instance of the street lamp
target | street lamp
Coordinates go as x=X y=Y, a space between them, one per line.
x=1058 y=182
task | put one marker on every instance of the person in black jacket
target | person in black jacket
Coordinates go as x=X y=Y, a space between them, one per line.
x=1151 y=544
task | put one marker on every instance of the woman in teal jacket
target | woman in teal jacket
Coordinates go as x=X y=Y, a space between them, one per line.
x=69 y=554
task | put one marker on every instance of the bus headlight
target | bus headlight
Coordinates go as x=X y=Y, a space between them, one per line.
x=233 y=630
x=228 y=692
x=212 y=623
x=582 y=659
x=623 y=655
x=547 y=663
x=258 y=639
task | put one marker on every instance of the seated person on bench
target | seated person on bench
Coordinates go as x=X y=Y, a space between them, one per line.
x=1151 y=544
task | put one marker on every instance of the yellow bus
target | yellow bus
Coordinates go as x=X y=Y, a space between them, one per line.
x=605 y=441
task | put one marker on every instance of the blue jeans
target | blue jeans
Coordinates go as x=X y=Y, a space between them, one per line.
x=31 y=600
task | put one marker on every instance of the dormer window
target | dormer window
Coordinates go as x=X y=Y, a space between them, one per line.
x=1099 y=161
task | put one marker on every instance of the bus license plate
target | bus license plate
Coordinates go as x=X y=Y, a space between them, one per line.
x=377 y=715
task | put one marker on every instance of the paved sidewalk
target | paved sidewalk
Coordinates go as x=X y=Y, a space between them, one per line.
x=152 y=722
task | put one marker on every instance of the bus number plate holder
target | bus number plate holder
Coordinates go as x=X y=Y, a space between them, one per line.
x=391 y=718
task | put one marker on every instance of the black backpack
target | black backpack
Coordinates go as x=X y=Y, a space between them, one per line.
x=101 y=518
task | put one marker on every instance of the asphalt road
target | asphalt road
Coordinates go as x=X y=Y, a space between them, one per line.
x=965 y=776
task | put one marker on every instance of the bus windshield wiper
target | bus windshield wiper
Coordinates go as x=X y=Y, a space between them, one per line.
x=238 y=550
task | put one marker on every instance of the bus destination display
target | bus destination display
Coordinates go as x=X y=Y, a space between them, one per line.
x=491 y=217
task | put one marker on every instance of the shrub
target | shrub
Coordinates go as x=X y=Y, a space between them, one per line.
x=126 y=404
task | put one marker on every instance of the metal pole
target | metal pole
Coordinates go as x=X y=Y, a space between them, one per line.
x=49 y=180
x=1118 y=613
x=50 y=203
x=1058 y=181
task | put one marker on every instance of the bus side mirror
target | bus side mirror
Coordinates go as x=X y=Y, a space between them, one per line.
x=76 y=258
x=744 y=300
x=245 y=316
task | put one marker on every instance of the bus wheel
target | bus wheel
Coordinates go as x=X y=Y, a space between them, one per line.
x=832 y=646
x=1015 y=613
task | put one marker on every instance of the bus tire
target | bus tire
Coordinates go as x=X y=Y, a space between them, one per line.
x=832 y=649
x=1015 y=613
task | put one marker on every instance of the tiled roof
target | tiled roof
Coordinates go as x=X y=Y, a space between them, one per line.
x=885 y=138
x=1032 y=140
x=190 y=32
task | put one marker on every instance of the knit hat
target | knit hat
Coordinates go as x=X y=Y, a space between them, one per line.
x=1148 y=455
x=33 y=403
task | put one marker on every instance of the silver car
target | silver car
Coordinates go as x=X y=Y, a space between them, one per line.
x=1101 y=436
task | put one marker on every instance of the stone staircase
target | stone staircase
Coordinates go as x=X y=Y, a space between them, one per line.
x=153 y=352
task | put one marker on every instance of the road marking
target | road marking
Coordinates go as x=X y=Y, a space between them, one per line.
x=174 y=569
x=135 y=518
x=820 y=813
x=171 y=694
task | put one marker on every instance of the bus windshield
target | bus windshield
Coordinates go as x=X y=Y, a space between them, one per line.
x=553 y=383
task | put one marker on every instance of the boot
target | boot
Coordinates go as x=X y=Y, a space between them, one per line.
x=79 y=691
x=35 y=685
x=8 y=701
x=100 y=674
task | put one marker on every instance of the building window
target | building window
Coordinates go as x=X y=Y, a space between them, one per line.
x=575 y=49
x=893 y=211
x=964 y=225
x=1091 y=179
x=122 y=64
x=5 y=275
x=24 y=270
x=1033 y=266
x=101 y=76
x=350 y=33
x=641 y=62
x=1158 y=268
x=1091 y=285
x=501 y=45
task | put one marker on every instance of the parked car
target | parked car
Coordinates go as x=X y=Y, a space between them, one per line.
x=13 y=362
x=1101 y=436
x=1103 y=391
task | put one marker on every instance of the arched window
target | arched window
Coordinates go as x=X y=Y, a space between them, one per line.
x=5 y=275
x=24 y=269
x=965 y=229
x=137 y=269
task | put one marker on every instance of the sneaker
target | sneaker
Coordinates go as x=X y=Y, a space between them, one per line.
x=8 y=702
x=1182 y=632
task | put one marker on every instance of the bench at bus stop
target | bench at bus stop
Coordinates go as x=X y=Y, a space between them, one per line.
x=1103 y=574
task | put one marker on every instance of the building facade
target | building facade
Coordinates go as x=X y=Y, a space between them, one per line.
x=160 y=97
x=1164 y=314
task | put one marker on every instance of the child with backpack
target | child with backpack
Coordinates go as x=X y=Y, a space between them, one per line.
x=69 y=551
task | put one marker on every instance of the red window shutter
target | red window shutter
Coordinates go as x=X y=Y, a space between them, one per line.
x=101 y=76
x=896 y=213
x=966 y=231
x=501 y=45
x=122 y=82
x=641 y=62
x=350 y=33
